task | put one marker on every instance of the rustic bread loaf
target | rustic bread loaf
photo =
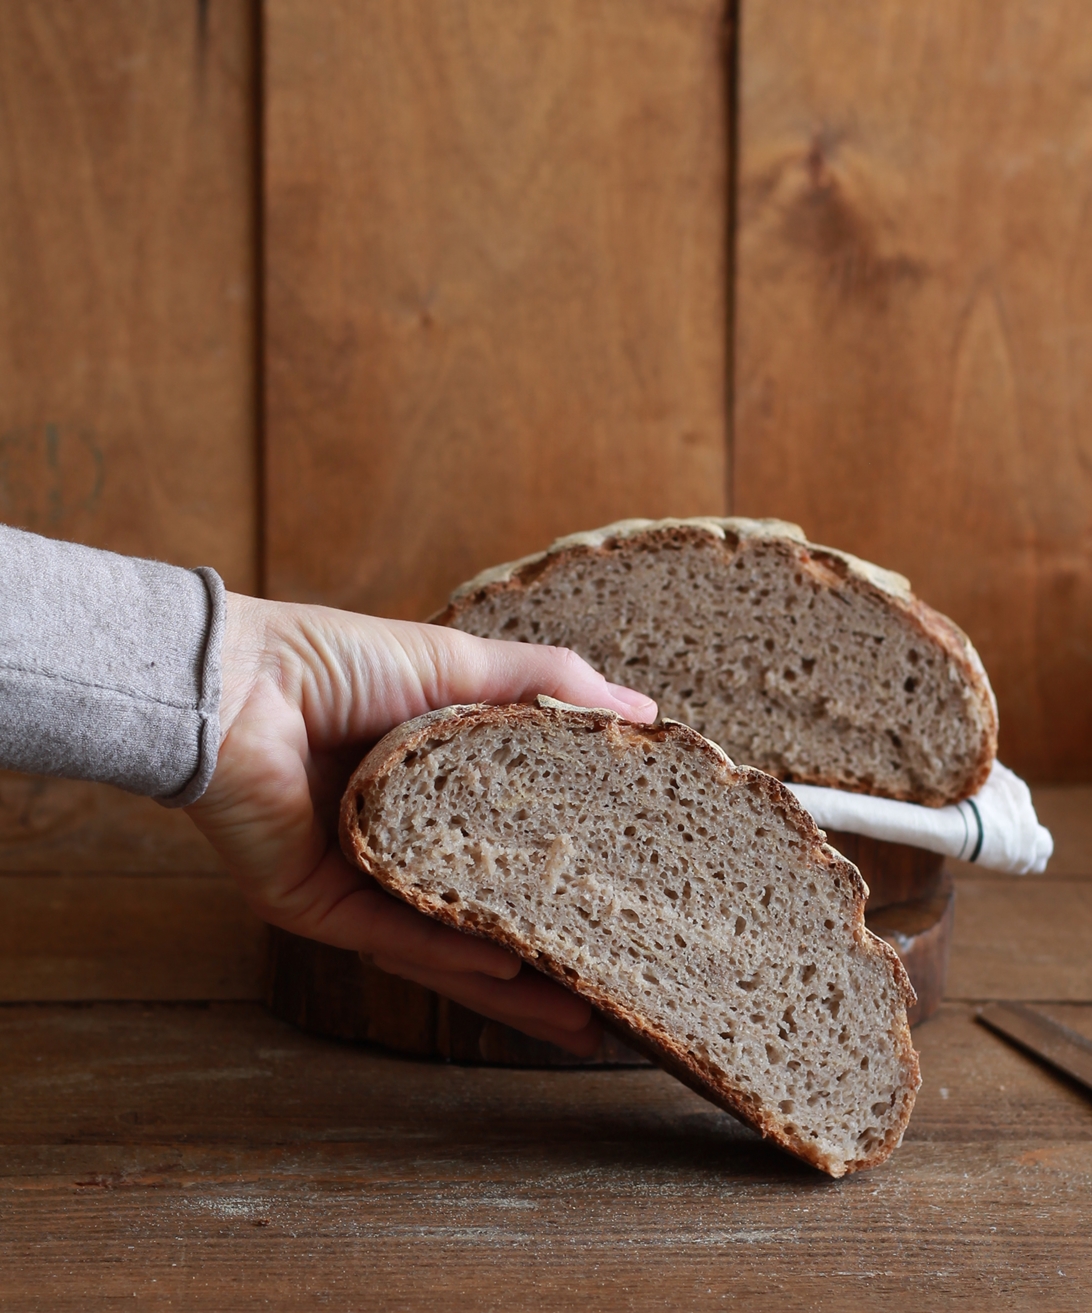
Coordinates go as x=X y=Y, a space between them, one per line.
x=692 y=901
x=801 y=660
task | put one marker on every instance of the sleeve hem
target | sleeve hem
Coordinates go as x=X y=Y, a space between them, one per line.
x=208 y=705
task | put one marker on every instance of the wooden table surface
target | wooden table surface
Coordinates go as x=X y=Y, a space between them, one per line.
x=168 y=1142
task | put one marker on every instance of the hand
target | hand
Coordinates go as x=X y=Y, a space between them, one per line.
x=306 y=690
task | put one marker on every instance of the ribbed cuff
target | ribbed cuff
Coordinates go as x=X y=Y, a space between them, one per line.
x=109 y=667
x=208 y=703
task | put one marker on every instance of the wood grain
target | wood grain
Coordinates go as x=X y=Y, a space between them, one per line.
x=1067 y=814
x=72 y=825
x=1021 y=940
x=914 y=320
x=127 y=343
x=496 y=298
x=76 y=938
x=127 y=330
x=216 y=1158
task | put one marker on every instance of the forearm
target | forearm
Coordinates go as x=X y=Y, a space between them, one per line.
x=109 y=667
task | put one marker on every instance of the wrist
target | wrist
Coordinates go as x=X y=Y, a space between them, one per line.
x=243 y=656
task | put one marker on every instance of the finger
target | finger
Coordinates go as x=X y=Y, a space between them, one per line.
x=345 y=908
x=487 y=670
x=529 y=995
x=530 y=1010
x=401 y=670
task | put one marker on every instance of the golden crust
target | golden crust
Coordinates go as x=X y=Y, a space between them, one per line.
x=700 y=1076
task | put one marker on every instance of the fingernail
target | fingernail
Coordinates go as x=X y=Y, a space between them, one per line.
x=506 y=969
x=637 y=705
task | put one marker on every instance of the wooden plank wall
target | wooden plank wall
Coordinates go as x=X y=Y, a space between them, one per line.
x=496 y=303
x=914 y=320
x=497 y=293
x=127 y=415
x=126 y=278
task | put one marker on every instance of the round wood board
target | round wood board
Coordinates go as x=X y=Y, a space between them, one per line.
x=338 y=994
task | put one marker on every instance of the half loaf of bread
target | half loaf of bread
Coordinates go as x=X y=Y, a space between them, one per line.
x=693 y=902
x=804 y=661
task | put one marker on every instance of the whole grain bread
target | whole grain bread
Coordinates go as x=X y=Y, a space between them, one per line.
x=804 y=661
x=692 y=901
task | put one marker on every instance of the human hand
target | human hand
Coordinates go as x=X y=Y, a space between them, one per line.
x=306 y=690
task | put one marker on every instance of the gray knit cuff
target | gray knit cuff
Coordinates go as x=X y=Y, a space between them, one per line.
x=208 y=695
x=109 y=667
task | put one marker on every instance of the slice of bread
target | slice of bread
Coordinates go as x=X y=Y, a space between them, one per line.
x=693 y=902
x=798 y=659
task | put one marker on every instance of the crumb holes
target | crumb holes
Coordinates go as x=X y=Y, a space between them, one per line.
x=767 y=894
x=879 y=1109
x=510 y=624
x=450 y=896
x=630 y=831
x=438 y=783
x=910 y=683
x=768 y=645
x=807 y=972
x=829 y=923
x=786 y=1106
x=680 y=941
x=741 y=925
x=807 y=665
x=864 y=1063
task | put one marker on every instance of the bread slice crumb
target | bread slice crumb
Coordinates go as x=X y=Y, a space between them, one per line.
x=804 y=661
x=692 y=901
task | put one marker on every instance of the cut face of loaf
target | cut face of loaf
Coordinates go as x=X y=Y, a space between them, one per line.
x=803 y=661
x=692 y=901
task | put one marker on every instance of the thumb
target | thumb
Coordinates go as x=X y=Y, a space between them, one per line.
x=454 y=667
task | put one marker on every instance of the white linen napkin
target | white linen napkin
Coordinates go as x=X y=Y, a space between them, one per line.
x=997 y=828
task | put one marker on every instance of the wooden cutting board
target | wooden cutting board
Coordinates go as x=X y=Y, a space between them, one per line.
x=338 y=994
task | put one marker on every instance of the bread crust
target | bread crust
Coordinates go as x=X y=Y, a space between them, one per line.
x=831 y=568
x=692 y=1070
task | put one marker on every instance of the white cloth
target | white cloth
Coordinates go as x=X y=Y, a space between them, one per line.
x=997 y=828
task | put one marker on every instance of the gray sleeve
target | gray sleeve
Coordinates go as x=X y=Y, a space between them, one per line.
x=109 y=667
